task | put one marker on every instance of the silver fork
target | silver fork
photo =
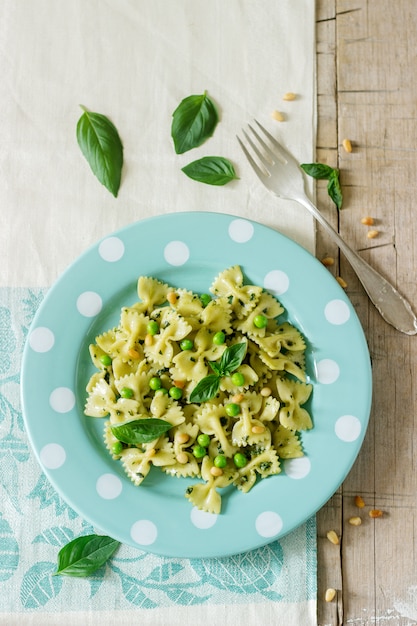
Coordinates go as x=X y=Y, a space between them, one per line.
x=279 y=171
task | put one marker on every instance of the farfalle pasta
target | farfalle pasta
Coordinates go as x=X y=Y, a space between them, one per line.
x=173 y=341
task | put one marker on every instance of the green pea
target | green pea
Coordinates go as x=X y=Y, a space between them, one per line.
x=199 y=452
x=105 y=359
x=175 y=393
x=127 y=393
x=117 y=447
x=205 y=299
x=238 y=379
x=155 y=383
x=203 y=440
x=260 y=321
x=240 y=460
x=232 y=409
x=152 y=327
x=220 y=461
x=219 y=338
x=186 y=344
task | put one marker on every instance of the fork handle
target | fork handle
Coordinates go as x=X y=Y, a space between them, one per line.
x=392 y=306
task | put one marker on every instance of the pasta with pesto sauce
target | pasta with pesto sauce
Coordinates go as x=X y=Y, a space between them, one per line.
x=170 y=341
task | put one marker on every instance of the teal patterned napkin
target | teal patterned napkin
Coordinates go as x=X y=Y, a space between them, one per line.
x=275 y=584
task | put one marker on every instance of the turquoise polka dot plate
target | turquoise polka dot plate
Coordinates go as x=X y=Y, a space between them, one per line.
x=188 y=250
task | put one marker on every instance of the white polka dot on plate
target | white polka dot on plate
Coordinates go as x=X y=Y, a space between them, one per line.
x=297 y=468
x=240 y=231
x=89 y=303
x=337 y=312
x=111 y=249
x=277 y=282
x=176 y=253
x=202 y=519
x=144 y=532
x=348 y=428
x=328 y=371
x=52 y=456
x=268 y=524
x=109 y=486
x=41 y=339
x=62 y=399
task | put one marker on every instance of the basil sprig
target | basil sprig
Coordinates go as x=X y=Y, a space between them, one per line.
x=193 y=121
x=325 y=172
x=230 y=360
x=141 y=430
x=212 y=170
x=101 y=145
x=83 y=556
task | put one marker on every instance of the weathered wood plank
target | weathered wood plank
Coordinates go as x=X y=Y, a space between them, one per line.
x=371 y=45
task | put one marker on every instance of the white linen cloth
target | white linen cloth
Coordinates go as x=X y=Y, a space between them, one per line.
x=133 y=61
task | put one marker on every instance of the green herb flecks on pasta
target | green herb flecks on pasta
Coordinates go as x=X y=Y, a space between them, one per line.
x=199 y=387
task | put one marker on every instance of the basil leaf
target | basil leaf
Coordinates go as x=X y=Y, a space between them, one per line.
x=193 y=121
x=141 y=430
x=317 y=170
x=215 y=367
x=101 y=145
x=232 y=357
x=212 y=170
x=334 y=189
x=206 y=389
x=84 y=555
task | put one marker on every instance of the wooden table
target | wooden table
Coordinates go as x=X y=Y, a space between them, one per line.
x=367 y=92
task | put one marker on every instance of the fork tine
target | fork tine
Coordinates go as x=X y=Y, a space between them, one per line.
x=287 y=156
x=261 y=172
x=268 y=153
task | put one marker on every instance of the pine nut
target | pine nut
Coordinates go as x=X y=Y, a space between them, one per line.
x=179 y=383
x=216 y=471
x=182 y=458
x=367 y=221
x=183 y=437
x=330 y=594
x=372 y=234
x=148 y=340
x=289 y=96
x=347 y=144
x=376 y=513
x=133 y=353
x=328 y=261
x=333 y=538
x=355 y=521
x=257 y=430
x=172 y=297
x=238 y=397
x=278 y=116
x=265 y=392
x=360 y=502
x=341 y=282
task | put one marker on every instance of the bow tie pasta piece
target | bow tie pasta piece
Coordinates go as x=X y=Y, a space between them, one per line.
x=266 y=306
x=163 y=407
x=137 y=462
x=211 y=419
x=186 y=464
x=101 y=397
x=284 y=337
x=151 y=292
x=287 y=443
x=293 y=395
x=249 y=430
x=172 y=328
x=204 y=496
x=264 y=463
x=217 y=316
x=242 y=298
x=290 y=362
x=188 y=305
